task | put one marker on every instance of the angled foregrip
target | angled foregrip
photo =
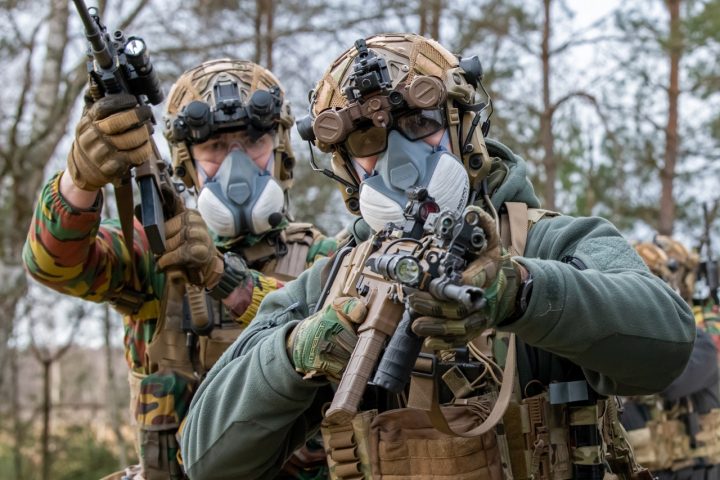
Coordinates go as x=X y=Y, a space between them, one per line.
x=199 y=315
x=397 y=362
x=352 y=385
x=384 y=315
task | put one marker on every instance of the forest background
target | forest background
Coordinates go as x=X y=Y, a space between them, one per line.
x=613 y=104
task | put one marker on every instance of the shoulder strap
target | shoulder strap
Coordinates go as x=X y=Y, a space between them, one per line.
x=514 y=227
x=516 y=220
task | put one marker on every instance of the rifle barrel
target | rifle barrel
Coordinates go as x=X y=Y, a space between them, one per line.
x=99 y=49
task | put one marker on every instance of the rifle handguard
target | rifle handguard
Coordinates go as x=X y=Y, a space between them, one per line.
x=347 y=397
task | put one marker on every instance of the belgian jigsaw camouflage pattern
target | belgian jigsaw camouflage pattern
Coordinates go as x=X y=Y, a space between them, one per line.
x=164 y=400
x=71 y=251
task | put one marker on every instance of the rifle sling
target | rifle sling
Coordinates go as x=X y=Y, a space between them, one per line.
x=424 y=396
x=124 y=199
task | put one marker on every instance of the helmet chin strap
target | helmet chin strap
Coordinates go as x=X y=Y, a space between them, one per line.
x=329 y=173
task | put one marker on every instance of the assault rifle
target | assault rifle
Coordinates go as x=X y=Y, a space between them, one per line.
x=119 y=64
x=427 y=253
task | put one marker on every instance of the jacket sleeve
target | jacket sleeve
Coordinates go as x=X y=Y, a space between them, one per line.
x=595 y=303
x=69 y=250
x=701 y=372
x=254 y=409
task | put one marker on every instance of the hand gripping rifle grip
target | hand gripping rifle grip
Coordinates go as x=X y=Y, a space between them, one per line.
x=398 y=361
x=357 y=373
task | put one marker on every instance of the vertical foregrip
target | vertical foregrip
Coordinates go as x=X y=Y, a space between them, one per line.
x=352 y=386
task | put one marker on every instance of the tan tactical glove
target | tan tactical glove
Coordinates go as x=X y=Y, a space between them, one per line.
x=448 y=324
x=190 y=250
x=322 y=344
x=112 y=136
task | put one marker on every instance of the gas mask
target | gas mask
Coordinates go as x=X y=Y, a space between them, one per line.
x=241 y=198
x=405 y=164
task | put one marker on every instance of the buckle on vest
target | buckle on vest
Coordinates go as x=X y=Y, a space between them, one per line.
x=425 y=365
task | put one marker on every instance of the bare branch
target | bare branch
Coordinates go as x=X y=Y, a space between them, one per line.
x=22 y=98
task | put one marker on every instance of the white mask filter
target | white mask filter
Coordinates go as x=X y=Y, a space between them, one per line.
x=377 y=209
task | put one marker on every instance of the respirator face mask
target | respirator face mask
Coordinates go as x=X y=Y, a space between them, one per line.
x=241 y=198
x=406 y=164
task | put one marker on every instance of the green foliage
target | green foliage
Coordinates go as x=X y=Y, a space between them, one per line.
x=82 y=457
x=76 y=454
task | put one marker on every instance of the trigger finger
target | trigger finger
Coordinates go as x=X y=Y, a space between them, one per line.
x=428 y=326
x=170 y=259
x=426 y=305
x=174 y=225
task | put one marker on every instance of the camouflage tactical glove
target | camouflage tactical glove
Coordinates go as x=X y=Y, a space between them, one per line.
x=191 y=250
x=112 y=136
x=322 y=344
x=448 y=324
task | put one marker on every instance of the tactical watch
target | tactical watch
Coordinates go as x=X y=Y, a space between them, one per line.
x=234 y=272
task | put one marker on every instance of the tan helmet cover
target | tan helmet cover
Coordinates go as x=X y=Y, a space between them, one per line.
x=683 y=279
x=655 y=258
x=197 y=84
x=407 y=55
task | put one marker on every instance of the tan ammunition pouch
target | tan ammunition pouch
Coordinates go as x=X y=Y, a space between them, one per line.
x=403 y=444
x=708 y=437
x=664 y=444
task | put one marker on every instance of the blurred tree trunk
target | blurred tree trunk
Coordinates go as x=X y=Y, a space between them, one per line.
x=264 y=35
x=112 y=392
x=46 y=411
x=546 y=116
x=48 y=100
x=47 y=360
x=18 y=427
x=430 y=12
x=667 y=173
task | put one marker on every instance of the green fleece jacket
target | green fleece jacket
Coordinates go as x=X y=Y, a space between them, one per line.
x=627 y=331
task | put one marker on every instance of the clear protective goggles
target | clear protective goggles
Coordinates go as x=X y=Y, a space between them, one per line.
x=414 y=125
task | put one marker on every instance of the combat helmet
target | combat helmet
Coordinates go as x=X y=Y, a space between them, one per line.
x=683 y=265
x=225 y=95
x=655 y=258
x=389 y=80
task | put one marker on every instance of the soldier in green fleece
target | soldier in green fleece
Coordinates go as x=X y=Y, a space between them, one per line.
x=572 y=314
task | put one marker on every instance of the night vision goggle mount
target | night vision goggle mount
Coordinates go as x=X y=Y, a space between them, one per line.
x=198 y=121
x=371 y=100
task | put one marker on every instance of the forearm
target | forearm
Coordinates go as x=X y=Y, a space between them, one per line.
x=253 y=397
x=245 y=300
x=628 y=331
x=250 y=414
x=594 y=319
x=69 y=251
x=76 y=196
